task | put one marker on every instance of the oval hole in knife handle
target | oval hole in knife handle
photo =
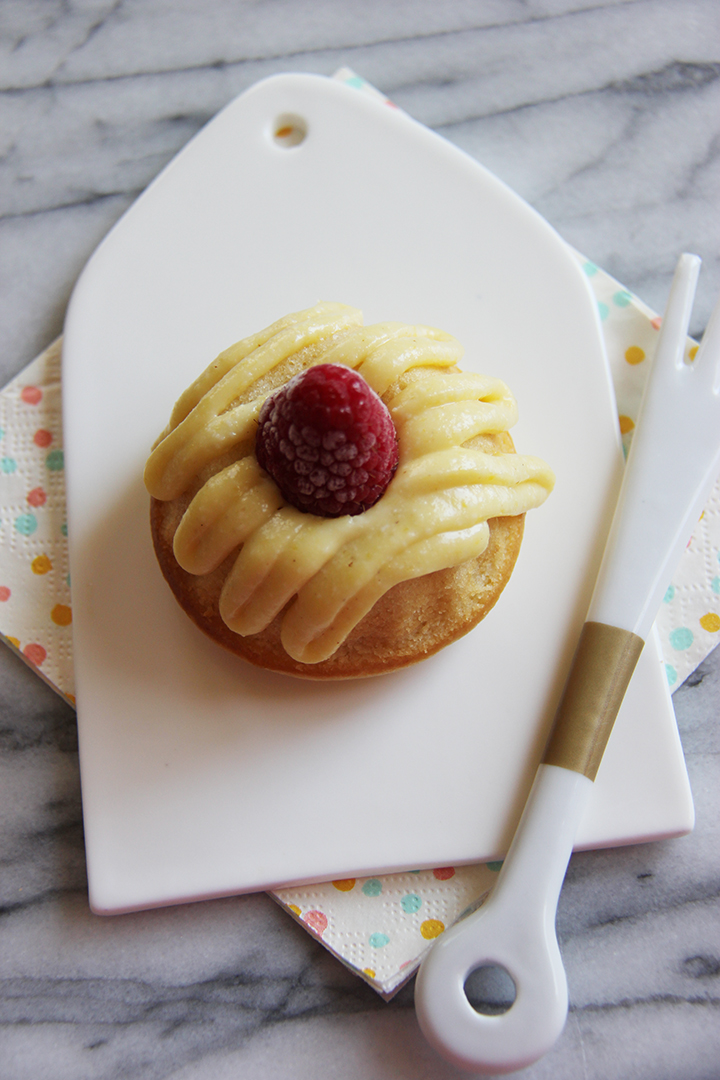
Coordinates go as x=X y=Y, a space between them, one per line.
x=673 y=462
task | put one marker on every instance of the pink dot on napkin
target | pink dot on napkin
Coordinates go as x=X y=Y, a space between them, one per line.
x=35 y=654
x=316 y=921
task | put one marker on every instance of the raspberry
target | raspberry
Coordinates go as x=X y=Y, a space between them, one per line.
x=328 y=442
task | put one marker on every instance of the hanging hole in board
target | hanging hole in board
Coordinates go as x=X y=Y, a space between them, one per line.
x=289 y=130
x=490 y=990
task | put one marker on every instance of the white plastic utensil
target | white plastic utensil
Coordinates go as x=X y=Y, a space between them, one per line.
x=673 y=461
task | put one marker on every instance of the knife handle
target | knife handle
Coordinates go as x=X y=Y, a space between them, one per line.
x=600 y=674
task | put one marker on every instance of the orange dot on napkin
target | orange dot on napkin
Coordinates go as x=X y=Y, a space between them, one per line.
x=345 y=885
x=61 y=615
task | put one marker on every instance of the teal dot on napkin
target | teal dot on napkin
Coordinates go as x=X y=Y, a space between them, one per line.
x=411 y=903
x=681 y=638
x=55 y=461
x=26 y=524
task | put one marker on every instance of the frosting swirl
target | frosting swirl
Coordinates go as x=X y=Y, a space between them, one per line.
x=329 y=572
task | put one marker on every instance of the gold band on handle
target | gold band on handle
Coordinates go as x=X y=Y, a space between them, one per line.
x=601 y=669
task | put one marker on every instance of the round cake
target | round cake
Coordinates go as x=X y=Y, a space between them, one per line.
x=337 y=593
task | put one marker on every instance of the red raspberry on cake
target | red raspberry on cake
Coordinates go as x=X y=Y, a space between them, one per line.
x=328 y=441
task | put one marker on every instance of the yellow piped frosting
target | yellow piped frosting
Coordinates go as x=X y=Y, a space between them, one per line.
x=329 y=572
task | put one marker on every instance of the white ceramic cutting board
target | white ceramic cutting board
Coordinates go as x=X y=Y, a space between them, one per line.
x=203 y=776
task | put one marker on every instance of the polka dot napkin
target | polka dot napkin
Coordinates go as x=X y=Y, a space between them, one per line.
x=380 y=927
x=35 y=609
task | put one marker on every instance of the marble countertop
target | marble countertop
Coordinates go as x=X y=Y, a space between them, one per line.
x=606 y=118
